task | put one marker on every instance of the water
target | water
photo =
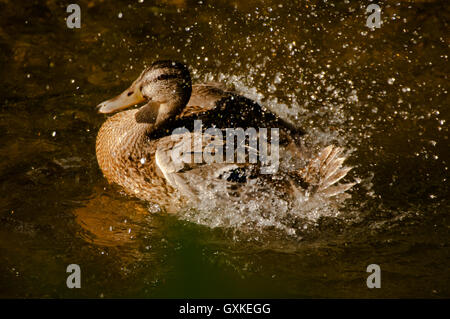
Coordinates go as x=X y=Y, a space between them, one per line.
x=382 y=94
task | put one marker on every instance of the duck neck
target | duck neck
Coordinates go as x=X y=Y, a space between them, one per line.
x=120 y=139
x=168 y=112
x=133 y=134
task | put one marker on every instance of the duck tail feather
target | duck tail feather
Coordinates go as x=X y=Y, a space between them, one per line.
x=324 y=172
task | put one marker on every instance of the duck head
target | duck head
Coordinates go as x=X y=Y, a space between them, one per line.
x=165 y=86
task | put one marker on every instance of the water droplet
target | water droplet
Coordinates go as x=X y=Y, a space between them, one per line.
x=277 y=78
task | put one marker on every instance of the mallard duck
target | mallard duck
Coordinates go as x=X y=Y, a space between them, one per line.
x=134 y=146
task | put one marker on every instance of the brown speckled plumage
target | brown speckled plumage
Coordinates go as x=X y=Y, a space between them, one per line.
x=126 y=155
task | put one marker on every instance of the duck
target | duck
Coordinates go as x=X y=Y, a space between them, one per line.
x=134 y=147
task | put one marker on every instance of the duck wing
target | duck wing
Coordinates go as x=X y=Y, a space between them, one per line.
x=175 y=158
x=204 y=97
x=218 y=107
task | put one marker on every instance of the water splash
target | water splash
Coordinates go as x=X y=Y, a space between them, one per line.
x=256 y=207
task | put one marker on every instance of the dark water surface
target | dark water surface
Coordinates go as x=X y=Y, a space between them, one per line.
x=383 y=94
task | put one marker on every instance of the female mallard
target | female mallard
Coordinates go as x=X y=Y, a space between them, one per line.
x=134 y=147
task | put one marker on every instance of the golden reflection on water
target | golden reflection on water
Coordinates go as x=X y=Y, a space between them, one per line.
x=111 y=222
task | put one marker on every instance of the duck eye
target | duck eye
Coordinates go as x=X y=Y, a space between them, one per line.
x=129 y=93
x=167 y=76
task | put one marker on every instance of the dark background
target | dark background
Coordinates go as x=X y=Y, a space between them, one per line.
x=383 y=94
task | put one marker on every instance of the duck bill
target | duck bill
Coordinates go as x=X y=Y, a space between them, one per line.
x=128 y=98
